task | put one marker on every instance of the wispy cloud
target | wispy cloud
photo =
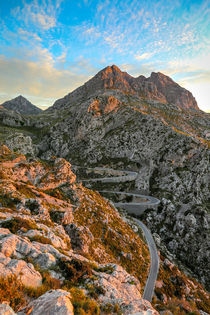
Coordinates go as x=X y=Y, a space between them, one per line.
x=25 y=35
x=43 y=14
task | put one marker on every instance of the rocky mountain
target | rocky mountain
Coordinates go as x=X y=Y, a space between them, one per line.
x=64 y=249
x=165 y=143
x=150 y=126
x=158 y=87
x=21 y=105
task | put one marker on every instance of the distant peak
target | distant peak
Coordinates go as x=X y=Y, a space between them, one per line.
x=21 y=105
x=19 y=97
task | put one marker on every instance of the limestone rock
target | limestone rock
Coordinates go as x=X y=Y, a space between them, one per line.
x=53 y=302
x=123 y=289
x=5 y=309
x=25 y=272
x=80 y=237
x=21 y=144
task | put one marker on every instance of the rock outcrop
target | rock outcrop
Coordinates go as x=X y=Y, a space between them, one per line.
x=122 y=289
x=21 y=144
x=48 y=224
x=54 y=302
x=5 y=309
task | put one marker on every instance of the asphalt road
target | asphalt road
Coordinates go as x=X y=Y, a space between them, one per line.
x=135 y=207
x=138 y=208
x=154 y=263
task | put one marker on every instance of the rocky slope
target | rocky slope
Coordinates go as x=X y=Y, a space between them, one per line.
x=54 y=233
x=21 y=105
x=106 y=123
x=65 y=249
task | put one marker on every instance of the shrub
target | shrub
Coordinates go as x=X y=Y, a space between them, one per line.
x=82 y=304
x=12 y=291
x=75 y=270
x=17 y=223
x=41 y=239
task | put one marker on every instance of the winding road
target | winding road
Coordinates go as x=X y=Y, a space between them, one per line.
x=137 y=207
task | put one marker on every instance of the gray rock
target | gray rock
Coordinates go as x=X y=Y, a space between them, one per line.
x=123 y=289
x=21 y=144
x=53 y=302
x=5 y=309
x=25 y=272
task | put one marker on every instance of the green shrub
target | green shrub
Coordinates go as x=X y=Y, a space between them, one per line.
x=82 y=304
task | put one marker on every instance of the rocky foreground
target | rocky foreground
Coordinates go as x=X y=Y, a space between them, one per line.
x=66 y=250
x=56 y=234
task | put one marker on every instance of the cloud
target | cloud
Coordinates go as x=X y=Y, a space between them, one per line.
x=25 y=35
x=42 y=15
x=143 y=56
x=40 y=80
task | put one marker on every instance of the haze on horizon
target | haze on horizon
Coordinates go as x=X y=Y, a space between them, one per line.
x=50 y=47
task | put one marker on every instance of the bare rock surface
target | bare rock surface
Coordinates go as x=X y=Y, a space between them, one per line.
x=122 y=289
x=53 y=302
x=5 y=309
x=21 y=144
x=25 y=272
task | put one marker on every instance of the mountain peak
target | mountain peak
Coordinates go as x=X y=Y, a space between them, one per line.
x=157 y=87
x=112 y=68
x=21 y=105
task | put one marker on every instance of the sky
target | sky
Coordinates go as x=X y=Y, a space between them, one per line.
x=50 y=47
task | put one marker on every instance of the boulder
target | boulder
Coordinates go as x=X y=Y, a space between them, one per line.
x=123 y=289
x=25 y=272
x=53 y=302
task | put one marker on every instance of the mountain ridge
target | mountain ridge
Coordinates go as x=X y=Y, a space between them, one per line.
x=157 y=87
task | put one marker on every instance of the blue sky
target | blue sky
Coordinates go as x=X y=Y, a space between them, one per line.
x=50 y=47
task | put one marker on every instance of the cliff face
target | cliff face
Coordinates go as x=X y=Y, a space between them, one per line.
x=157 y=87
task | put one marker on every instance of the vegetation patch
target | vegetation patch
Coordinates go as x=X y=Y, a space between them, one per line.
x=12 y=291
x=41 y=239
x=75 y=270
x=17 y=223
x=82 y=304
